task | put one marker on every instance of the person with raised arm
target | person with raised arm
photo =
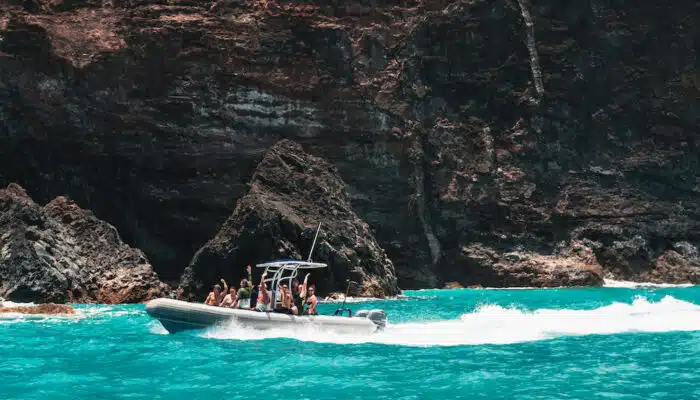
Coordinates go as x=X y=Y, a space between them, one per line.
x=312 y=302
x=216 y=296
x=263 y=303
x=301 y=300
x=286 y=300
x=245 y=291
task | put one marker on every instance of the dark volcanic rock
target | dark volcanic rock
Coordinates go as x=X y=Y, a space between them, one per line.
x=452 y=122
x=575 y=266
x=290 y=193
x=62 y=253
x=637 y=259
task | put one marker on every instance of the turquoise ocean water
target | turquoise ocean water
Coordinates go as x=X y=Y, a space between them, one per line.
x=598 y=343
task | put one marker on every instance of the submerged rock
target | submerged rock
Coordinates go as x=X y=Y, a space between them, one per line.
x=62 y=253
x=290 y=193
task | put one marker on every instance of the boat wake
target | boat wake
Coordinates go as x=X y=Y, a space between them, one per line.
x=492 y=324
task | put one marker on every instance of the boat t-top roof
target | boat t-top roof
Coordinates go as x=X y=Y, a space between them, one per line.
x=291 y=264
x=286 y=270
x=279 y=270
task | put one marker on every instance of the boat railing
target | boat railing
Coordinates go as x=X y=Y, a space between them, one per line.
x=284 y=270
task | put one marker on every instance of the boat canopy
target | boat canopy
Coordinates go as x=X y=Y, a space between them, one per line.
x=292 y=264
x=284 y=270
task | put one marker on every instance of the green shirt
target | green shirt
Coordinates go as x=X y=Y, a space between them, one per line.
x=244 y=293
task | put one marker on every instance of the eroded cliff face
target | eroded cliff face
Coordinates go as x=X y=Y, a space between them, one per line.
x=506 y=127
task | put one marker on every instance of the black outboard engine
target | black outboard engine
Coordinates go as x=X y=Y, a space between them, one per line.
x=377 y=316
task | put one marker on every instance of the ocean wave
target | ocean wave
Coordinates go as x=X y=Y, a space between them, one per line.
x=493 y=324
x=611 y=283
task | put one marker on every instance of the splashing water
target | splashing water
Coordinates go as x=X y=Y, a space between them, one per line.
x=493 y=324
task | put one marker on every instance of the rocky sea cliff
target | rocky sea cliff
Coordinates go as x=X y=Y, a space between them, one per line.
x=503 y=143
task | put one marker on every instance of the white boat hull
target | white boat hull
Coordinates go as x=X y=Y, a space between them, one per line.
x=177 y=316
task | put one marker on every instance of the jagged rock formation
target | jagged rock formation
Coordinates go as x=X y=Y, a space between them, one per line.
x=291 y=192
x=516 y=124
x=62 y=253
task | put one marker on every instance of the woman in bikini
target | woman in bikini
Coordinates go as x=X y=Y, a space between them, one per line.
x=311 y=302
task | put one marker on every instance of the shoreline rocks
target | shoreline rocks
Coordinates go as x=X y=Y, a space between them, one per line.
x=484 y=266
x=61 y=253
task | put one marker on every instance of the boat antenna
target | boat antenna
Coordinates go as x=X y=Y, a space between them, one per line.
x=314 y=243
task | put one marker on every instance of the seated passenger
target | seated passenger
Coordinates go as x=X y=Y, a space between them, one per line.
x=263 y=303
x=312 y=302
x=230 y=299
x=244 y=292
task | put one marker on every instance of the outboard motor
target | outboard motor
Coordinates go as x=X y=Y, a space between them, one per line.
x=377 y=316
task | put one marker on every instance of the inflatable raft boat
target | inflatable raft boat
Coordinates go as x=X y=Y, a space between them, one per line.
x=176 y=315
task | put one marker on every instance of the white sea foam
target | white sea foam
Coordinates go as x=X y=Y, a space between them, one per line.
x=80 y=314
x=492 y=324
x=157 y=328
x=7 y=303
x=10 y=318
x=369 y=299
x=637 y=285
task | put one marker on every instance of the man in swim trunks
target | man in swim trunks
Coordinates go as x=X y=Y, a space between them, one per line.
x=230 y=299
x=263 y=303
x=216 y=296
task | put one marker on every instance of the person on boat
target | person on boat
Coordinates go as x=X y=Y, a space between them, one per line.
x=244 y=292
x=311 y=302
x=230 y=299
x=298 y=293
x=216 y=296
x=263 y=303
x=287 y=300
